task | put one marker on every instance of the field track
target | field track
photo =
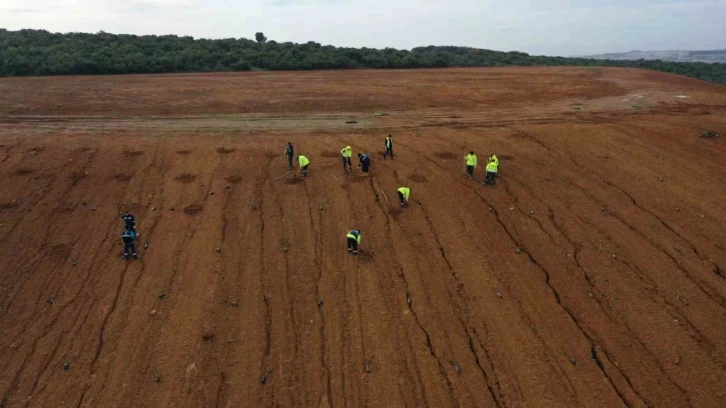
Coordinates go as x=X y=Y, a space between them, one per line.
x=593 y=274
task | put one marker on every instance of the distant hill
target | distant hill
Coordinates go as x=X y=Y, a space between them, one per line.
x=39 y=52
x=708 y=56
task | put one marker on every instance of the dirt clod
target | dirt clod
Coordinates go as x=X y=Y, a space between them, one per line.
x=368 y=366
x=152 y=312
x=185 y=178
x=193 y=209
x=66 y=366
x=208 y=333
x=157 y=377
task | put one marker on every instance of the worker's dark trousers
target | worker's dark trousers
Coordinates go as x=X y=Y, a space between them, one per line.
x=470 y=170
x=129 y=246
x=352 y=245
x=388 y=150
x=289 y=161
x=365 y=166
x=305 y=170
x=400 y=198
x=490 y=176
x=346 y=162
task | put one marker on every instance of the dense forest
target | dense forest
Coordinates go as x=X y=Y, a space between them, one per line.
x=39 y=52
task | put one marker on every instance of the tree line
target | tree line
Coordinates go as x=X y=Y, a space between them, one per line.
x=39 y=52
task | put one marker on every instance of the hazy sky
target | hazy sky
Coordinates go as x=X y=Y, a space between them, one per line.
x=553 y=27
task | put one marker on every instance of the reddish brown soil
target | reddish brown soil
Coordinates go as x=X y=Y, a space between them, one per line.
x=594 y=274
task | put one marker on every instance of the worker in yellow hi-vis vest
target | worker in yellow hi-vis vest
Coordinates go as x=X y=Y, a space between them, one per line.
x=492 y=169
x=470 y=164
x=353 y=241
x=304 y=163
x=403 y=194
x=346 y=154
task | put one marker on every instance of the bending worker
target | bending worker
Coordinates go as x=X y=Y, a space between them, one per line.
x=353 y=241
x=493 y=158
x=470 y=164
x=389 y=147
x=129 y=237
x=304 y=163
x=403 y=194
x=346 y=153
x=365 y=163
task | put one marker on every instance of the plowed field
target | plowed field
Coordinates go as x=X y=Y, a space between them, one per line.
x=593 y=274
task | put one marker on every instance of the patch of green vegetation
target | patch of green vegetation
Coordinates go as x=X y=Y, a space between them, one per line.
x=39 y=52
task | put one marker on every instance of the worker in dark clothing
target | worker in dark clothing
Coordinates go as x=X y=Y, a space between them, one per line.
x=353 y=241
x=289 y=152
x=129 y=238
x=365 y=163
x=389 y=147
x=129 y=221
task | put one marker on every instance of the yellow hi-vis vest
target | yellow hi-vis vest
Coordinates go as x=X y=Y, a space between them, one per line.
x=405 y=191
x=303 y=161
x=492 y=167
x=494 y=158
x=470 y=160
x=346 y=152
x=354 y=236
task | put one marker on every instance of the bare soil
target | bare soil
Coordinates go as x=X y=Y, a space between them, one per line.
x=591 y=275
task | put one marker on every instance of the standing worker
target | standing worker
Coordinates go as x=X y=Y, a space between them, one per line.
x=492 y=168
x=129 y=220
x=365 y=163
x=403 y=194
x=129 y=237
x=289 y=152
x=304 y=163
x=470 y=164
x=389 y=147
x=346 y=153
x=353 y=241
